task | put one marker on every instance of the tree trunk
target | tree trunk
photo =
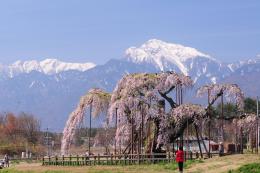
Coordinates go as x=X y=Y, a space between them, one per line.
x=197 y=135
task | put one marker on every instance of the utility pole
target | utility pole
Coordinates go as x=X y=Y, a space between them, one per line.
x=257 y=125
x=142 y=128
x=180 y=103
x=209 y=114
x=89 y=135
x=47 y=141
x=222 y=118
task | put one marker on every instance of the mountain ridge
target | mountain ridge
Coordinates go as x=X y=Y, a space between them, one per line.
x=159 y=53
x=52 y=97
x=47 y=66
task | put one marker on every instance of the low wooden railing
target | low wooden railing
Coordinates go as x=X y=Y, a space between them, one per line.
x=107 y=159
x=119 y=159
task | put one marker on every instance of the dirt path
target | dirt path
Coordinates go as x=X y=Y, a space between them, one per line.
x=223 y=164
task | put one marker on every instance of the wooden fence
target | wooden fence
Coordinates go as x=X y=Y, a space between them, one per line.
x=107 y=159
x=113 y=159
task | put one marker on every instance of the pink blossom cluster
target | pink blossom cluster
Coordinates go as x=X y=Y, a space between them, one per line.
x=230 y=91
x=136 y=97
x=98 y=99
x=179 y=117
x=139 y=99
x=247 y=123
x=188 y=111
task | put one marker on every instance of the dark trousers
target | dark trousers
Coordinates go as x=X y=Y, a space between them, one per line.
x=180 y=164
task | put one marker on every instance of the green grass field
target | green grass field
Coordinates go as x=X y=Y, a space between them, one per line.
x=246 y=163
x=36 y=167
x=248 y=168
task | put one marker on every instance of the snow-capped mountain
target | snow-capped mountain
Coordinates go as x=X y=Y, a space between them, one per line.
x=163 y=55
x=235 y=66
x=47 y=66
x=246 y=75
x=51 y=89
x=168 y=56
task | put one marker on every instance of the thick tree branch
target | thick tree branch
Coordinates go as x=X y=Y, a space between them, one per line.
x=216 y=97
x=169 y=99
x=213 y=101
x=178 y=132
x=169 y=90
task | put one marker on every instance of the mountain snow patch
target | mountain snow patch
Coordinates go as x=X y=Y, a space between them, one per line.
x=48 y=66
x=161 y=53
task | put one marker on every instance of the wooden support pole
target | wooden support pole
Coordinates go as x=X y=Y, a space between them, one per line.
x=187 y=139
x=173 y=147
x=209 y=127
x=116 y=128
x=236 y=138
x=180 y=102
x=132 y=135
x=241 y=140
x=142 y=128
x=138 y=141
x=181 y=94
x=89 y=137
x=176 y=94
x=120 y=148
x=204 y=145
x=148 y=136
x=257 y=125
x=222 y=118
x=197 y=135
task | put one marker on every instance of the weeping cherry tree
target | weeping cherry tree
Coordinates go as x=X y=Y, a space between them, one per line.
x=139 y=100
x=98 y=100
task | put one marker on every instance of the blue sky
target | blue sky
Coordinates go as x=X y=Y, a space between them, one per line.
x=95 y=31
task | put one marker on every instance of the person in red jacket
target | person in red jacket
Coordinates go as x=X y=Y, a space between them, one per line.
x=180 y=158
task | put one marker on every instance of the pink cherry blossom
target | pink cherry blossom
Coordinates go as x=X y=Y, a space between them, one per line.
x=98 y=99
x=230 y=91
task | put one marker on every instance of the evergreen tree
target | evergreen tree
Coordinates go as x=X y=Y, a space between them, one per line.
x=250 y=105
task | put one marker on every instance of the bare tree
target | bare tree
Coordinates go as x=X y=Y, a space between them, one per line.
x=29 y=127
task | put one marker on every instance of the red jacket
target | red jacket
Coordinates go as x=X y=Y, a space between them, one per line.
x=179 y=156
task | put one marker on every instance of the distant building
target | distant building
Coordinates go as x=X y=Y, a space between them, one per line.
x=191 y=144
